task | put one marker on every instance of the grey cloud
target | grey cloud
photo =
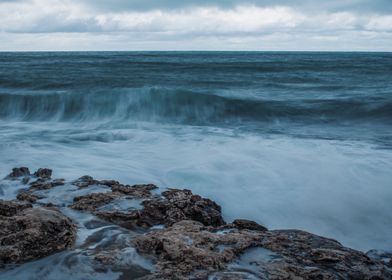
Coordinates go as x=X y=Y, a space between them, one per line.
x=365 y=6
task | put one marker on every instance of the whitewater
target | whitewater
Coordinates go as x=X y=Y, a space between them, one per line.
x=290 y=140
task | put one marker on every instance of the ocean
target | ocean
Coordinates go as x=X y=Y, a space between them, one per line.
x=289 y=139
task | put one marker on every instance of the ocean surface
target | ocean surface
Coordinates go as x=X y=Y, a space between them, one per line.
x=291 y=140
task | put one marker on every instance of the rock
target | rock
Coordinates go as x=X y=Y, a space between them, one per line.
x=92 y=201
x=11 y=208
x=28 y=233
x=381 y=255
x=85 y=181
x=175 y=205
x=44 y=184
x=138 y=191
x=109 y=183
x=18 y=172
x=247 y=224
x=189 y=250
x=43 y=173
x=28 y=196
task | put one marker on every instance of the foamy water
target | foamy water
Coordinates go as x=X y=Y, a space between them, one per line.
x=291 y=141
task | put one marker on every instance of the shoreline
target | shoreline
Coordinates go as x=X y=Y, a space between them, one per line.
x=173 y=234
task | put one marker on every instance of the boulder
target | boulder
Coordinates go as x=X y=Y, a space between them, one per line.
x=28 y=233
x=85 y=181
x=43 y=173
x=18 y=172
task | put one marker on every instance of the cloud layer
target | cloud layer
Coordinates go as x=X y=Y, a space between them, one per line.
x=204 y=25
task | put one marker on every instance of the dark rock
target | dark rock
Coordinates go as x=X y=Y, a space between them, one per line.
x=138 y=191
x=109 y=183
x=28 y=233
x=381 y=255
x=11 y=208
x=85 y=181
x=176 y=205
x=44 y=184
x=189 y=250
x=43 y=173
x=247 y=224
x=28 y=196
x=18 y=172
x=183 y=205
x=92 y=201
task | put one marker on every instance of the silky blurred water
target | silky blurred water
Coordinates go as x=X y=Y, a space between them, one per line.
x=291 y=140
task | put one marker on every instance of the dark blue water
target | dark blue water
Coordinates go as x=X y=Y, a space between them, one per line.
x=299 y=140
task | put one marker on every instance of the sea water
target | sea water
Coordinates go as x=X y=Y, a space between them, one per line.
x=290 y=140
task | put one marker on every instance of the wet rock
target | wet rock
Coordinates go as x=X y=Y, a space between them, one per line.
x=18 y=172
x=92 y=201
x=381 y=255
x=314 y=257
x=189 y=250
x=28 y=233
x=43 y=173
x=28 y=196
x=175 y=205
x=183 y=205
x=109 y=183
x=44 y=184
x=85 y=181
x=11 y=208
x=247 y=224
x=138 y=191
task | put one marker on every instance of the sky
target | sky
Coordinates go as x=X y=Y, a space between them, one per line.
x=256 y=25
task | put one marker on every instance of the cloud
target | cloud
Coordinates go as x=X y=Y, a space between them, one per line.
x=210 y=24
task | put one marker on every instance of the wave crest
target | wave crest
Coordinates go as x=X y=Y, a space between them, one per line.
x=183 y=106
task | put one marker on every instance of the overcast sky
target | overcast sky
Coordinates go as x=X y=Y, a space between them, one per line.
x=358 y=25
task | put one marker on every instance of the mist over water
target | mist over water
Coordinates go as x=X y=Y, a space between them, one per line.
x=291 y=140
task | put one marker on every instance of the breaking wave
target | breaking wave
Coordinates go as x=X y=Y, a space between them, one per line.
x=184 y=106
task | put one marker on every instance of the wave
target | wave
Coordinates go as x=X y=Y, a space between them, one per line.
x=183 y=106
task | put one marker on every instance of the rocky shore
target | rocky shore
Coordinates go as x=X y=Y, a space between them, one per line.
x=182 y=234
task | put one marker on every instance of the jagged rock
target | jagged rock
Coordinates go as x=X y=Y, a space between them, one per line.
x=85 y=181
x=28 y=233
x=139 y=191
x=27 y=196
x=175 y=205
x=247 y=224
x=189 y=250
x=44 y=184
x=183 y=205
x=11 y=208
x=195 y=243
x=43 y=173
x=92 y=201
x=109 y=183
x=188 y=247
x=381 y=255
x=18 y=172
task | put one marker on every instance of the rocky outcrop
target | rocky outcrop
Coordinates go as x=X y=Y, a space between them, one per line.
x=173 y=206
x=183 y=233
x=189 y=250
x=44 y=184
x=28 y=233
x=43 y=173
x=137 y=191
x=27 y=196
x=92 y=201
x=19 y=172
